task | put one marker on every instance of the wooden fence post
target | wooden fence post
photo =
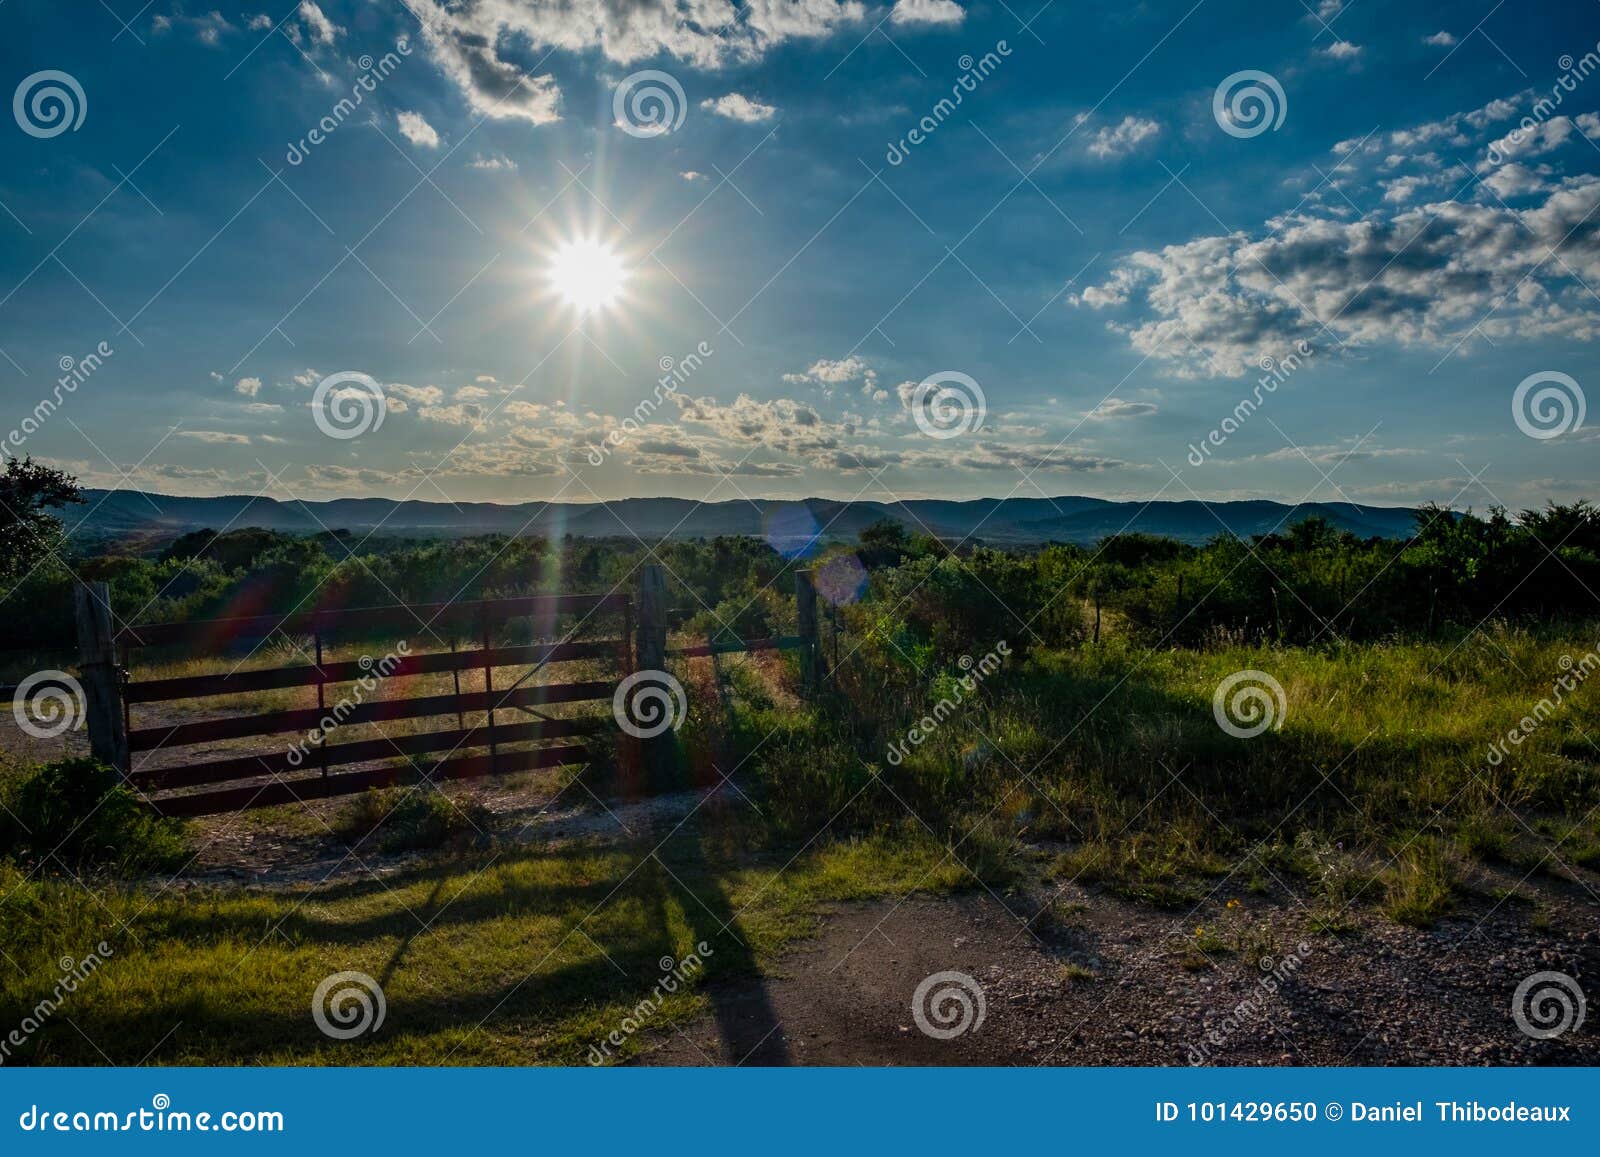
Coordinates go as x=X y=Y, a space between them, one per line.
x=805 y=614
x=102 y=686
x=651 y=648
x=650 y=654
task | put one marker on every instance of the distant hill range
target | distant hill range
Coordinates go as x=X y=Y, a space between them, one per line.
x=133 y=516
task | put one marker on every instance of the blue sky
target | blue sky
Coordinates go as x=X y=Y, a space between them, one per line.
x=1089 y=251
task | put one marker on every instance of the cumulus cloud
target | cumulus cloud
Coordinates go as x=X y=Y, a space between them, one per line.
x=926 y=12
x=497 y=162
x=248 y=387
x=1441 y=263
x=1440 y=39
x=1121 y=139
x=487 y=46
x=1342 y=50
x=321 y=30
x=738 y=107
x=417 y=130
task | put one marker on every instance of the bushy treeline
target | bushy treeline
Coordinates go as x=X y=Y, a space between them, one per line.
x=204 y=575
x=1311 y=583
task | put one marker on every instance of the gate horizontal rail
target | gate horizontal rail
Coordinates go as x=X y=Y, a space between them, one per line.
x=300 y=771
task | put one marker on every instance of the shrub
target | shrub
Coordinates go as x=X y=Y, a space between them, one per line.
x=408 y=819
x=78 y=812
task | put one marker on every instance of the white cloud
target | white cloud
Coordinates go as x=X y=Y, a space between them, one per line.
x=249 y=387
x=1439 y=275
x=322 y=30
x=738 y=107
x=216 y=437
x=263 y=408
x=927 y=12
x=482 y=45
x=1440 y=39
x=1122 y=139
x=417 y=130
x=1114 y=408
x=495 y=163
x=1342 y=50
x=691 y=175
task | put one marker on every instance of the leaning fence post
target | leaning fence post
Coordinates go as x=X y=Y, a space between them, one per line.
x=102 y=687
x=805 y=614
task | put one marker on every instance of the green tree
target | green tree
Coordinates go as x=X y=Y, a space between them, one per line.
x=29 y=491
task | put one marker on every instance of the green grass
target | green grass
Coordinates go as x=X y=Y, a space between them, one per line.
x=1100 y=766
x=528 y=956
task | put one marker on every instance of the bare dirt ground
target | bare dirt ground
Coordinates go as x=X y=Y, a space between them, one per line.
x=1382 y=994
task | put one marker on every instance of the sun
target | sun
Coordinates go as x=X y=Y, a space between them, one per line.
x=588 y=274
